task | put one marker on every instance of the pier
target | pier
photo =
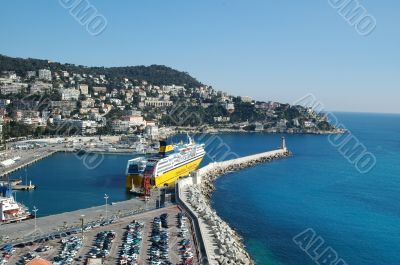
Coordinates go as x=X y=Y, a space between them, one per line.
x=30 y=157
x=24 y=187
x=217 y=242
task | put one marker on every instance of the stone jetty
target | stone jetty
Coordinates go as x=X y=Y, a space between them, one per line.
x=212 y=171
x=220 y=244
x=229 y=248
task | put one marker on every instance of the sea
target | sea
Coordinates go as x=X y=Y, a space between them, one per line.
x=319 y=190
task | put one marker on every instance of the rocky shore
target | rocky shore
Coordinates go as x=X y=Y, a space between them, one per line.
x=229 y=245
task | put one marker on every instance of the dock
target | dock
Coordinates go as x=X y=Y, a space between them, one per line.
x=24 y=187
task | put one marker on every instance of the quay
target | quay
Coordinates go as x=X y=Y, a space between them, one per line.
x=51 y=225
x=29 y=157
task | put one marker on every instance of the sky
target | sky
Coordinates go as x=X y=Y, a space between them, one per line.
x=266 y=49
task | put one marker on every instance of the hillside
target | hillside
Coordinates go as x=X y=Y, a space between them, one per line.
x=155 y=74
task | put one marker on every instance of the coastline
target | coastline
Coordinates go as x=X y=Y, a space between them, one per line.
x=206 y=130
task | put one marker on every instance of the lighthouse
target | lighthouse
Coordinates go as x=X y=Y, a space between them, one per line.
x=283 y=143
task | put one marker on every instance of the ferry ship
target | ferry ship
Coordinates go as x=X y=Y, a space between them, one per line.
x=10 y=210
x=164 y=168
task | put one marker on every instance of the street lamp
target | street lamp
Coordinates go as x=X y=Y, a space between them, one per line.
x=82 y=216
x=35 y=211
x=106 y=197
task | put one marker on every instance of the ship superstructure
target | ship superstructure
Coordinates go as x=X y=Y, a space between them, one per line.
x=10 y=210
x=164 y=168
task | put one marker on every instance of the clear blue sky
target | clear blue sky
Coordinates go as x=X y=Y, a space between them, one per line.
x=270 y=50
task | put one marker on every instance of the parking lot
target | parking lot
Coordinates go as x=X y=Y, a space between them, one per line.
x=156 y=237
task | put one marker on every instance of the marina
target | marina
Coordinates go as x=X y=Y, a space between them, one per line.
x=204 y=237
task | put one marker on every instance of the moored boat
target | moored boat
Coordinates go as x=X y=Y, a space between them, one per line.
x=11 y=210
x=163 y=169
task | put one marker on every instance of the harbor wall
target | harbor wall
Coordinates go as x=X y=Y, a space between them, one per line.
x=202 y=248
x=217 y=242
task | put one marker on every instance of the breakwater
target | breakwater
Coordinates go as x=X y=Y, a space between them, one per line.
x=212 y=171
x=218 y=243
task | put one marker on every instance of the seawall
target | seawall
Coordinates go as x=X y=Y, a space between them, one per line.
x=217 y=243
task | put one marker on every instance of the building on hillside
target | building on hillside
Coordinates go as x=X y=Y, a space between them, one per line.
x=309 y=124
x=88 y=103
x=80 y=126
x=246 y=99
x=120 y=126
x=156 y=102
x=13 y=88
x=151 y=132
x=83 y=88
x=296 y=122
x=221 y=119
x=134 y=120
x=258 y=127
x=45 y=74
x=31 y=74
x=4 y=103
x=64 y=73
x=40 y=87
x=100 y=89
x=70 y=94
x=230 y=107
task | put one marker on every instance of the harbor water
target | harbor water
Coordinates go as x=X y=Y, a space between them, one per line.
x=67 y=182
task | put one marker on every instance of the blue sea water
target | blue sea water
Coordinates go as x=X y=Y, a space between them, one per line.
x=358 y=215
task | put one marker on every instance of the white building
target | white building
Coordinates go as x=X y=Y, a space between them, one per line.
x=70 y=94
x=82 y=127
x=45 y=74
x=40 y=87
x=309 y=124
x=88 y=103
x=120 y=126
x=230 y=107
x=100 y=89
x=151 y=131
x=64 y=74
x=246 y=99
x=30 y=74
x=13 y=88
x=156 y=102
x=117 y=101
